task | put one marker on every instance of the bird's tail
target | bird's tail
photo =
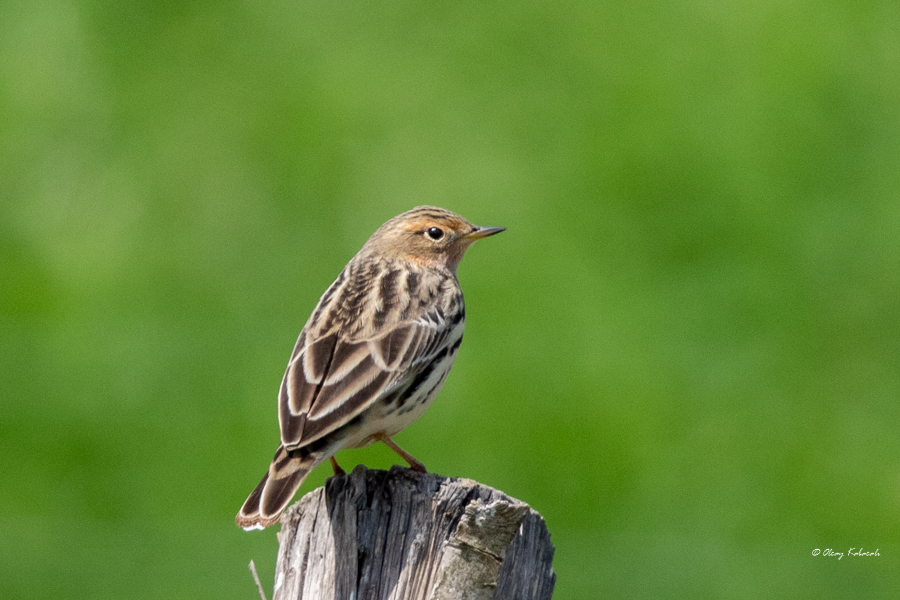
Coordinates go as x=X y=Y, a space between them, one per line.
x=286 y=473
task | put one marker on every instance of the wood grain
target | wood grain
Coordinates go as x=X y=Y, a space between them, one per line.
x=403 y=535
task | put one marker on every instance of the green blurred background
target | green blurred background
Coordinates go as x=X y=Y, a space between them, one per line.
x=684 y=352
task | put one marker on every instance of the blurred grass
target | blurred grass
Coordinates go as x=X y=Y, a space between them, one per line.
x=683 y=352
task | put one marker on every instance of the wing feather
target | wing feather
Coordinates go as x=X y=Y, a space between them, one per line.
x=391 y=347
x=332 y=379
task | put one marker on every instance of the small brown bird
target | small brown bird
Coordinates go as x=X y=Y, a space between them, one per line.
x=373 y=355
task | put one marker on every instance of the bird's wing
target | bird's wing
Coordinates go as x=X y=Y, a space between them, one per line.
x=331 y=380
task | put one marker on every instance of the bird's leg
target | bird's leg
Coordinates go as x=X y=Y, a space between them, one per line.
x=337 y=468
x=413 y=463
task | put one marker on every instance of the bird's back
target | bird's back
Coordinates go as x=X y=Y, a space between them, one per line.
x=381 y=330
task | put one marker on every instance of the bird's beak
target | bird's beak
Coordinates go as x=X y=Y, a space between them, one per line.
x=483 y=232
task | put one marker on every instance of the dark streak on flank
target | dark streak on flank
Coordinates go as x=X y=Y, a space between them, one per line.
x=423 y=376
x=458 y=316
x=432 y=390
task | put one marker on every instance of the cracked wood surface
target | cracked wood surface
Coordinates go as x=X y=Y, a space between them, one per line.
x=402 y=535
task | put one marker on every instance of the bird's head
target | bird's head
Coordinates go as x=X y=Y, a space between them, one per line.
x=428 y=235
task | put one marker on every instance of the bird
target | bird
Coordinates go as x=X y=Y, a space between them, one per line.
x=373 y=355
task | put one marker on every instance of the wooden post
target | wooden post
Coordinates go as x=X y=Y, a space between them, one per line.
x=403 y=535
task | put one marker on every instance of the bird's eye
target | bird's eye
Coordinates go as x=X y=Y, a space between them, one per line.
x=435 y=233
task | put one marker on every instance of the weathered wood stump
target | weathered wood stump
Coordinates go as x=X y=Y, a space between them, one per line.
x=403 y=535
